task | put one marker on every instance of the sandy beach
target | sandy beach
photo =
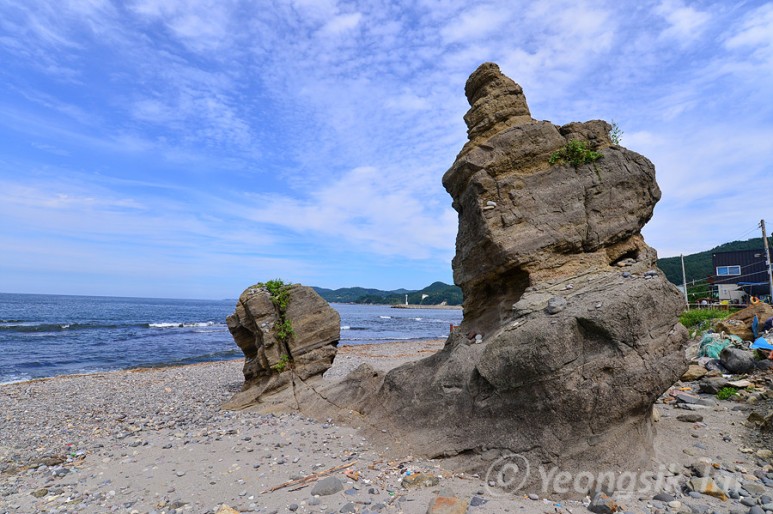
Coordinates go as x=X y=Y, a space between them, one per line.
x=156 y=441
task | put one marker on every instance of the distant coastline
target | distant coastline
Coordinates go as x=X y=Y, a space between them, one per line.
x=437 y=293
x=440 y=307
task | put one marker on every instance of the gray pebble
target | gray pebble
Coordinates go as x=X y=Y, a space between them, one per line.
x=477 y=501
x=327 y=486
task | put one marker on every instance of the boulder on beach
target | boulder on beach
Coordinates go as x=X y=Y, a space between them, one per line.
x=570 y=333
x=740 y=323
x=286 y=332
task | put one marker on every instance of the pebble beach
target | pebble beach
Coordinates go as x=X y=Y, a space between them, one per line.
x=156 y=441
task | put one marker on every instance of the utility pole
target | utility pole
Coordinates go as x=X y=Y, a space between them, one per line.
x=767 y=258
x=684 y=282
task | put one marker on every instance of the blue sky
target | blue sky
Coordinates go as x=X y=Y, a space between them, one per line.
x=189 y=148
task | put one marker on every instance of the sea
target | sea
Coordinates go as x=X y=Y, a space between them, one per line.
x=50 y=335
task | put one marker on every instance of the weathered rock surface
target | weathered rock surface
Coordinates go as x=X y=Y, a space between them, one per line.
x=270 y=362
x=579 y=331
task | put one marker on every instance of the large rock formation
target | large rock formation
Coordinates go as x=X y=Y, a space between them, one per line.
x=578 y=329
x=273 y=359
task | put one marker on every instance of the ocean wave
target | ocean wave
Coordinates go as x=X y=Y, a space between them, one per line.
x=31 y=326
x=385 y=317
x=180 y=324
x=15 y=378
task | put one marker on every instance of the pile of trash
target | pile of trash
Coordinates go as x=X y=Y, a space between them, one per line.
x=730 y=353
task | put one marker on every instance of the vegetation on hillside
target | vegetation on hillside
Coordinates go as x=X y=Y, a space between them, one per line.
x=437 y=293
x=698 y=265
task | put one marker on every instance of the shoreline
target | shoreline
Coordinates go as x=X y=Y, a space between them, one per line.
x=235 y=358
x=156 y=440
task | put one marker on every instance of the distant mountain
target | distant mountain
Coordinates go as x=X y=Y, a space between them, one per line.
x=437 y=293
x=698 y=266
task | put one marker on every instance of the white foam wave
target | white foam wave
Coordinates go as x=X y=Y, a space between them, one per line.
x=182 y=325
x=385 y=317
x=16 y=378
x=345 y=327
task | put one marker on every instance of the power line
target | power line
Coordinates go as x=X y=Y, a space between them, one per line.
x=749 y=232
x=722 y=277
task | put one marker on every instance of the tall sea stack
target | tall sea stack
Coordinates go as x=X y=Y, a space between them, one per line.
x=570 y=332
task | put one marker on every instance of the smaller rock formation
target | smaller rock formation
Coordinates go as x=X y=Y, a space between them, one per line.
x=286 y=332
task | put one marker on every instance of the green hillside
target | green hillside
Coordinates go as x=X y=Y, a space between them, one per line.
x=437 y=293
x=698 y=265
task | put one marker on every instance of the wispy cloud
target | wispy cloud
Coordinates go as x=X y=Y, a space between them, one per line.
x=242 y=135
x=685 y=23
x=365 y=212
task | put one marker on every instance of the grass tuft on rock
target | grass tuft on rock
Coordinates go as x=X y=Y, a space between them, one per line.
x=576 y=153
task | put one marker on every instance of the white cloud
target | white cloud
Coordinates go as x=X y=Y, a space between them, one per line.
x=478 y=22
x=316 y=10
x=203 y=26
x=341 y=24
x=754 y=30
x=685 y=23
x=752 y=38
x=367 y=211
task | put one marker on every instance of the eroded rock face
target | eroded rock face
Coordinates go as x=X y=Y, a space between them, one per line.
x=271 y=363
x=580 y=330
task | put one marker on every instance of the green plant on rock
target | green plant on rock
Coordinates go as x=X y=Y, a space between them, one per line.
x=576 y=153
x=280 y=294
x=615 y=133
x=726 y=392
x=283 y=328
x=280 y=366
